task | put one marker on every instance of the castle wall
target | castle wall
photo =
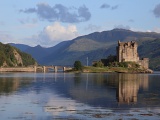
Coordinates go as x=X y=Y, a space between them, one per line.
x=144 y=62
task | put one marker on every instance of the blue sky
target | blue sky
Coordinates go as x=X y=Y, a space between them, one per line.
x=48 y=22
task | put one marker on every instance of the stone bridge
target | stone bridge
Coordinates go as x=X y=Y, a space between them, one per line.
x=35 y=69
x=52 y=68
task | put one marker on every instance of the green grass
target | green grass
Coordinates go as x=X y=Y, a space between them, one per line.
x=104 y=69
x=96 y=69
x=92 y=69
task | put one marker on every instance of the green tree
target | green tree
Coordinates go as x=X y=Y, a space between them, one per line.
x=78 y=65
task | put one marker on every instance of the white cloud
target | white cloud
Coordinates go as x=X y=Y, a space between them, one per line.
x=56 y=33
x=51 y=35
x=148 y=31
x=156 y=29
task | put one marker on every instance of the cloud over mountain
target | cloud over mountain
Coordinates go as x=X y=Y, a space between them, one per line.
x=92 y=28
x=56 y=33
x=60 y=13
x=122 y=27
x=5 y=37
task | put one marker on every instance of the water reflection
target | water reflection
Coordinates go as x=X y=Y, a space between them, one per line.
x=9 y=85
x=129 y=85
x=109 y=87
x=79 y=95
x=108 y=90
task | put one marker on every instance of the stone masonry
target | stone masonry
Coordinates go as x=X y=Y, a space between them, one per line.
x=127 y=52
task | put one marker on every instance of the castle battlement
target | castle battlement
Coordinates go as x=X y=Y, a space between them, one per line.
x=128 y=44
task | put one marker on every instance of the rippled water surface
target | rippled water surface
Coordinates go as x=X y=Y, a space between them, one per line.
x=84 y=96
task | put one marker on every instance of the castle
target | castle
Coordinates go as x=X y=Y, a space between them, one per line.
x=127 y=51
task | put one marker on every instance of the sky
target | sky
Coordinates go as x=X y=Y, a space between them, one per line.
x=49 y=22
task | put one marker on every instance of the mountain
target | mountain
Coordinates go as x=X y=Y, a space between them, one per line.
x=37 y=52
x=22 y=47
x=93 y=46
x=12 y=57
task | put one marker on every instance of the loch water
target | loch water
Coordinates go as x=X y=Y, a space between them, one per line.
x=79 y=96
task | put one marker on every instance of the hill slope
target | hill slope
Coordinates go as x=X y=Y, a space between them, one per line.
x=151 y=49
x=12 y=57
x=93 y=46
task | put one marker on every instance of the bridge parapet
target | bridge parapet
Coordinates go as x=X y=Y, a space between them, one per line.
x=53 y=68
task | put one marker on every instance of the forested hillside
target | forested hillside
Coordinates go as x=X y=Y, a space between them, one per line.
x=12 y=57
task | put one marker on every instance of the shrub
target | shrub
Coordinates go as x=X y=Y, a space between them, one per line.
x=123 y=64
x=98 y=64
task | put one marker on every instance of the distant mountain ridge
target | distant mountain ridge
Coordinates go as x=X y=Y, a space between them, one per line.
x=93 y=46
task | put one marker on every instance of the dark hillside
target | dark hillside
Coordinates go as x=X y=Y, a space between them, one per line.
x=12 y=57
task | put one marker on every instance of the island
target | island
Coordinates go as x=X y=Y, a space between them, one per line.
x=126 y=60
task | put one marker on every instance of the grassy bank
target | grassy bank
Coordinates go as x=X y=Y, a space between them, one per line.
x=92 y=69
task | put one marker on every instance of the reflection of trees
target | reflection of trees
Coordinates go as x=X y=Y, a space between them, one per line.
x=77 y=79
x=128 y=86
x=9 y=85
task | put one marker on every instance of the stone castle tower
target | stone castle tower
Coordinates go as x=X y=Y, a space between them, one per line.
x=127 y=51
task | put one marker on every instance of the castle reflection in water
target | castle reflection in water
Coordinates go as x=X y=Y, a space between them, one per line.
x=124 y=88
x=86 y=87
x=129 y=85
